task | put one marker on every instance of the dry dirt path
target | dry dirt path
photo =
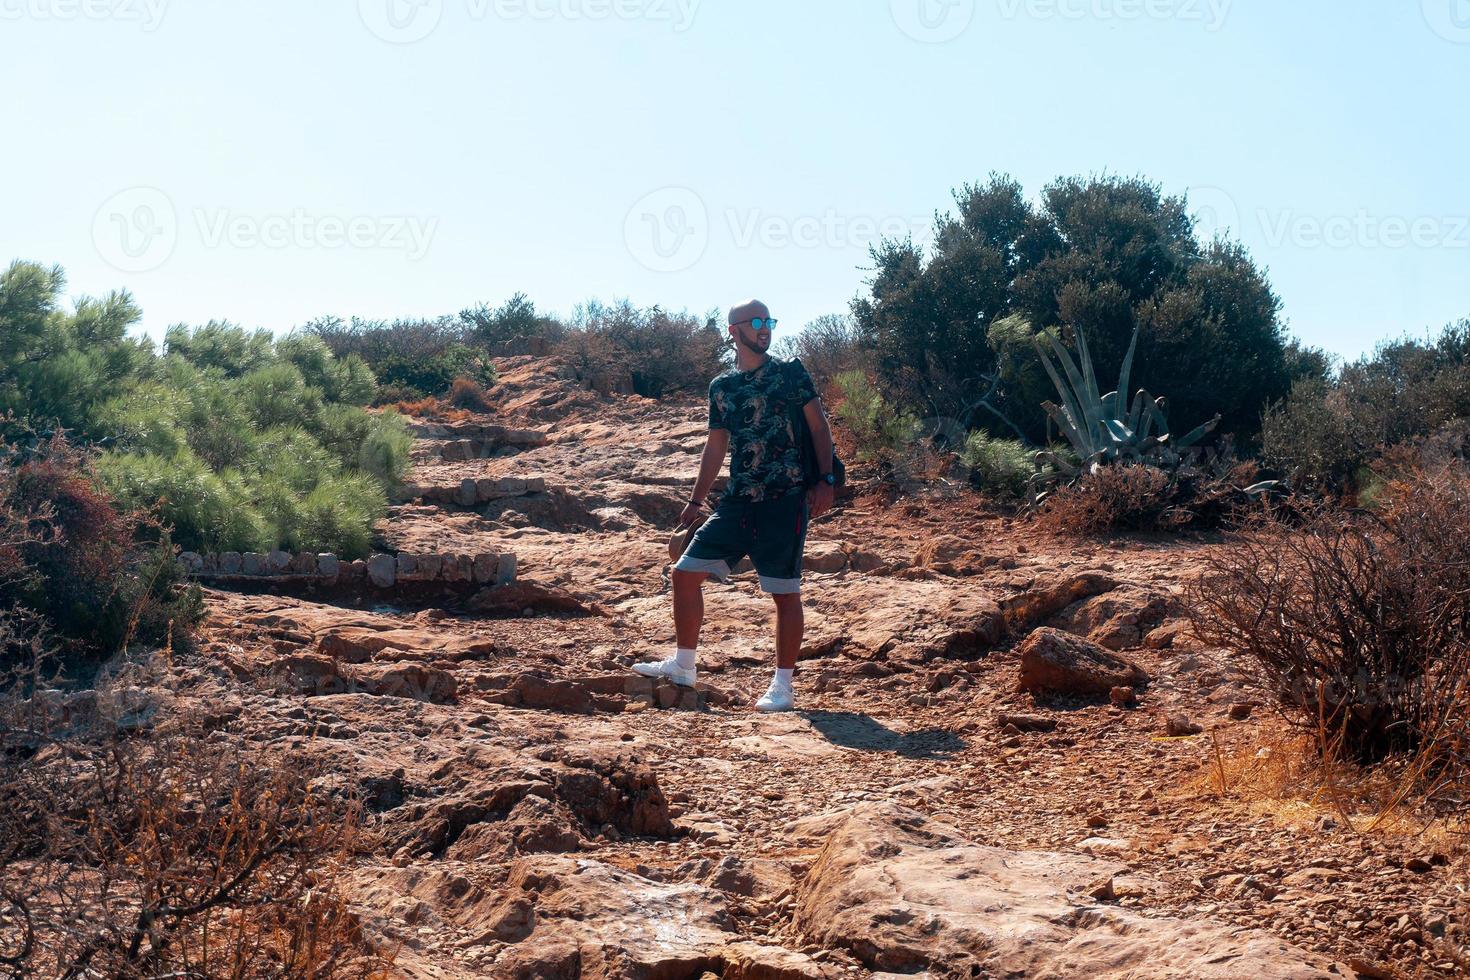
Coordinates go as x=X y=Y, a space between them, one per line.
x=539 y=812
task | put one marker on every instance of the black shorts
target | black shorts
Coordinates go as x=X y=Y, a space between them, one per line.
x=771 y=532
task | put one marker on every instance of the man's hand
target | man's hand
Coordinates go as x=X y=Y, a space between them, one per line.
x=819 y=499
x=691 y=513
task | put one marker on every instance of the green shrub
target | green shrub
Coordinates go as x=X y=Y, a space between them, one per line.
x=514 y=320
x=207 y=511
x=1104 y=254
x=231 y=434
x=1000 y=466
x=1327 y=433
x=411 y=359
x=657 y=353
x=879 y=430
x=338 y=515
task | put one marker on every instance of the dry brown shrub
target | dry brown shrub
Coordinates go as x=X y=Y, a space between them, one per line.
x=430 y=408
x=1204 y=494
x=1113 y=498
x=135 y=845
x=1359 y=624
x=469 y=394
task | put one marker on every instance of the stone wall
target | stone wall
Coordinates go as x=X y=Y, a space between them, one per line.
x=378 y=572
x=461 y=441
x=470 y=493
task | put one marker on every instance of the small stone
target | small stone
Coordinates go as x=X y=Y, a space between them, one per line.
x=1123 y=697
x=382 y=571
x=1097 y=821
x=1241 y=711
x=328 y=566
x=1179 y=726
x=468 y=493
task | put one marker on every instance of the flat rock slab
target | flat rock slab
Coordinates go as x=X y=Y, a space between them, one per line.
x=905 y=894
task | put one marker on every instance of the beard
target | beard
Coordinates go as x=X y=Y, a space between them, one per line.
x=753 y=343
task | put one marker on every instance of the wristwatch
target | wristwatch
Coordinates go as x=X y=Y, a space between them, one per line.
x=829 y=479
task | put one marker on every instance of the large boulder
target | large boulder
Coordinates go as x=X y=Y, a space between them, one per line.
x=1056 y=662
x=905 y=894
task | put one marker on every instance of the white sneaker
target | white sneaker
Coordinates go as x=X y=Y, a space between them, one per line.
x=668 y=669
x=778 y=697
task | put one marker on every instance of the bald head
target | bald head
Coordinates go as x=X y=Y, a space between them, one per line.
x=748 y=311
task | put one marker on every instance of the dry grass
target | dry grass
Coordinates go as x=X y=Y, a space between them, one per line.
x=135 y=842
x=1283 y=774
x=431 y=408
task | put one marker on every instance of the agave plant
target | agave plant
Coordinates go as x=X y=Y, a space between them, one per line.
x=1103 y=428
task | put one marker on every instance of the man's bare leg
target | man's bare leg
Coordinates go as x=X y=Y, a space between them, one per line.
x=790 y=623
x=688 y=608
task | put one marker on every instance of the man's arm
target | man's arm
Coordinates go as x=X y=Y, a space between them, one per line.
x=716 y=445
x=821 y=496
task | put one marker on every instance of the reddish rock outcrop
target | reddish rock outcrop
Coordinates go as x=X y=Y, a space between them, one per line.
x=1055 y=662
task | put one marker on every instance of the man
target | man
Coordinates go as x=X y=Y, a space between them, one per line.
x=764 y=510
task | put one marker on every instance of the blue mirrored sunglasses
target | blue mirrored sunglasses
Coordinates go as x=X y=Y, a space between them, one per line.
x=763 y=323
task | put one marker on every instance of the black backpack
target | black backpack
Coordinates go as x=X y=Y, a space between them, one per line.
x=808 y=445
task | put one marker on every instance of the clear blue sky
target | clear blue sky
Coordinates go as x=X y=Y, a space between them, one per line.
x=272 y=161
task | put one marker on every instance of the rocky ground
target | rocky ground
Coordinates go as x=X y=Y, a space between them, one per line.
x=541 y=812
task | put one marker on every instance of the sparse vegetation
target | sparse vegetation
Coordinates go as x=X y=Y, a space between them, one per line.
x=1329 y=431
x=643 y=351
x=827 y=346
x=134 y=845
x=411 y=359
x=1001 y=467
x=879 y=431
x=79 y=573
x=1359 y=624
